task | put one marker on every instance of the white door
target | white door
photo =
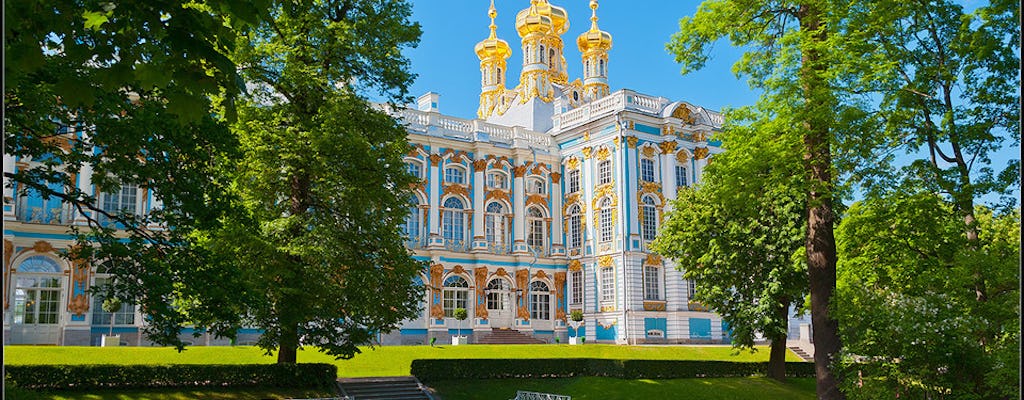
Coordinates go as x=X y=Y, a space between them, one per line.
x=500 y=309
x=36 y=310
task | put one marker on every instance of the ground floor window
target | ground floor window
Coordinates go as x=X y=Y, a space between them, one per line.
x=577 y=287
x=455 y=294
x=540 y=301
x=125 y=316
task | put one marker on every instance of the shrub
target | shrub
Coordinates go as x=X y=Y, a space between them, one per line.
x=77 y=377
x=433 y=370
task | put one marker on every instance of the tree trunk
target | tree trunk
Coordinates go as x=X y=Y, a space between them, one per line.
x=777 y=355
x=821 y=243
x=288 y=345
x=288 y=342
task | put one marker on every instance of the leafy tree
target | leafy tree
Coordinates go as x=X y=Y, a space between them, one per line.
x=909 y=312
x=121 y=93
x=741 y=234
x=322 y=177
x=791 y=58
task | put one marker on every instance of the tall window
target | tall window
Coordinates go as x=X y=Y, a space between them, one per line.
x=413 y=168
x=498 y=294
x=494 y=226
x=542 y=58
x=535 y=223
x=412 y=221
x=574 y=181
x=455 y=294
x=575 y=227
x=652 y=283
x=607 y=284
x=647 y=170
x=535 y=186
x=691 y=289
x=650 y=221
x=454 y=175
x=576 y=290
x=497 y=180
x=124 y=199
x=604 y=172
x=605 y=220
x=600 y=67
x=682 y=176
x=124 y=316
x=540 y=301
x=452 y=223
x=37 y=292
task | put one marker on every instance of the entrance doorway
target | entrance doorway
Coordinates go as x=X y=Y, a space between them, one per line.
x=37 y=298
x=499 y=303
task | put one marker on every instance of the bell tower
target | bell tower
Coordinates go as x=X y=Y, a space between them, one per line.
x=492 y=53
x=594 y=44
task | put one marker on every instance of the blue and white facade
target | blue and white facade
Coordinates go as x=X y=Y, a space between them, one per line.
x=544 y=204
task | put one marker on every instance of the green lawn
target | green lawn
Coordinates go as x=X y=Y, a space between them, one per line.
x=379 y=361
x=754 y=388
x=175 y=394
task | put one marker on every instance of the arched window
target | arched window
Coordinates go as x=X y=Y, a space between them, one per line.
x=499 y=75
x=540 y=301
x=604 y=172
x=498 y=297
x=575 y=227
x=551 y=59
x=495 y=227
x=542 y=59
x=605 y=220
x=652 y=282
x=535 y=186
x=535 y=225
x=647 y=170
x=497 y=180
x=600 y=67
x=455 y=295
x=649 y=223
x=37 y=291
x=454 y=175
x=574 y=181
x=412 y=221
x=453 y=222
x=586 y=68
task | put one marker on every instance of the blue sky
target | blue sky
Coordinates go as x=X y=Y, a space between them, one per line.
x=446 y=64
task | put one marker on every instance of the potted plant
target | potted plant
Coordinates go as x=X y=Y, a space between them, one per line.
x=461 y=315
x=575 y=321
x=112 y=306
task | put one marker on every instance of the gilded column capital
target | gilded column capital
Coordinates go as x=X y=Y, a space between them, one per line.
x=556 y=178
x=631 y=141
x=435 y=159
x=587 y=151
x=700 y=153
x=519 y=171
x=479 y=165
x=668 y=147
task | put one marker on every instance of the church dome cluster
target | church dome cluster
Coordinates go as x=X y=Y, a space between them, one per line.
x=543 y=74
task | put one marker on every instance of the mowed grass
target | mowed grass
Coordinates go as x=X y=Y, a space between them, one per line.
x=181 y=394
x=752 y=388
x=378 y=361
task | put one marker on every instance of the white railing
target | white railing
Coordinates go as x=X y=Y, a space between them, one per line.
x=422 y=121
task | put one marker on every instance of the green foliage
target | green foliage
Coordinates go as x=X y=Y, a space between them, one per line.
x=740 y=235
x=906 y=273
x=429 y=370
x=750 y=388
x=576 y=315
x=85 y=377
x=460 y=314
x=112 y=305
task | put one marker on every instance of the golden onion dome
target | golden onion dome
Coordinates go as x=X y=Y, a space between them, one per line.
x=594 y=39
x=492 y=47
x=531 y=21
x=559 y=18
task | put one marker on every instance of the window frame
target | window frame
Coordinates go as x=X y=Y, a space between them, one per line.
x=604 y=172
x=647 y=170
x=453 y=296
x=540 y=301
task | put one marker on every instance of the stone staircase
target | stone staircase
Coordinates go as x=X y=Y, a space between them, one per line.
x=508 y=336
x=801 y=353
x=392 y=387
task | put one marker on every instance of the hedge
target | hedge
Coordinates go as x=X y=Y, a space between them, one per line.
x=180 y=375
x=445 y=369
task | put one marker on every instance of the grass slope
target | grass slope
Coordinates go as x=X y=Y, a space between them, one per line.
x=753 y=388
x=379 y=361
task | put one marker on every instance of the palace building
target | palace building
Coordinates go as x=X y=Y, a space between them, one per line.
x=542 y=205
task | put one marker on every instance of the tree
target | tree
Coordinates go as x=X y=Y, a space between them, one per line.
x=741 y=234
x=322 y=178
x=791 y=57
x=109 y=94
x=906 y=272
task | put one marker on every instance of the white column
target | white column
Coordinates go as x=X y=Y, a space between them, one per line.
x=700 y=156
x=587 y=185
x=479 y=240
x=9 y=200
x=434 y=192
x=628 y=201
x=519 y=209
x=556 y=212
x=668 y=173
x=85 y=186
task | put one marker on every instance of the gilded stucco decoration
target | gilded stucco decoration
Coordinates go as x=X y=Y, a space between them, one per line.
x=652 y=259
x=480 y=274
x=519 y=171
x=603 y=153
x=560 y=295
x=572 y=163
x=455 y=188
x=479 y=165
x=539 y=169
x=604 y=261
x=574 y=265
x=649 y=151
x=615 y=142
x=415 y=151
x=700 y=153
x=682 y=157
x=668 y=130
x=587 y=151
x=556 y=178
x=78 y=303
x=436 y=309
x=605 y=190
x=700 y=136
x=496 y=194
x=42 y=246
x=667 y=147
x=501 y=272
x=654 y=306
x=574 y=198
x=455 y=155
x=458 y=270
x=537 y=199
x=683 y=113
x=494 y=160
x=522 y=281
x=631 y=141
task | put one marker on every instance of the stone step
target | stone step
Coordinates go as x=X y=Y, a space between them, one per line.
x=396 y=388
